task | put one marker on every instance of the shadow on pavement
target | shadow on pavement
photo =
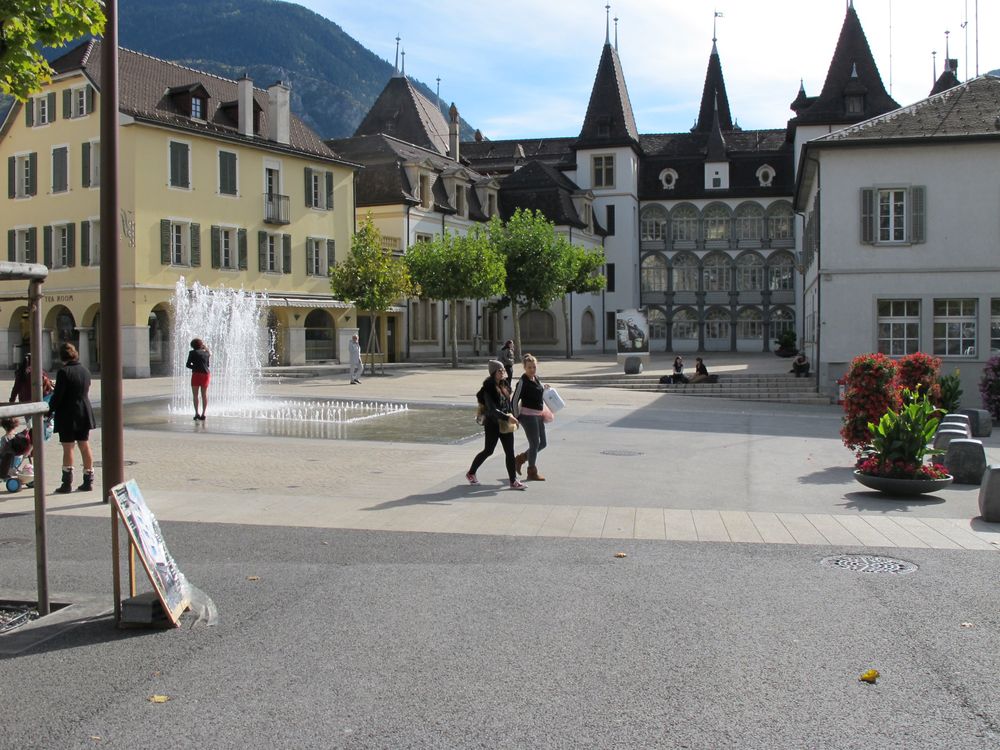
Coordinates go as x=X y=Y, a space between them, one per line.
x=460 y=492
x=829 y=475
x=881 y=502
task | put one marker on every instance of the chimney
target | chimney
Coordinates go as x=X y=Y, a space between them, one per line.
x=278 y=112
x=453 y=132
x=244 y=105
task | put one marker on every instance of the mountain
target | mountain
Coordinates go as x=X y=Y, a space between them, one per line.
x=334 y=79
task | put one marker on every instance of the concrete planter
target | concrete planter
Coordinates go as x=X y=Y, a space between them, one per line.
x=902 y=487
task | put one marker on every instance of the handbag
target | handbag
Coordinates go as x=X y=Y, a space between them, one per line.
x=547 y=415
x=553 y=400
x=506 y=427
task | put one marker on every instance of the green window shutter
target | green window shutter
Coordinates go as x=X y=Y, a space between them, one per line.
x=867 y=216
x=918 y=214
x=52 y=106
x=227 y=173
x=310 y=252
x=241 y=235
x=47 y=246
x=29 y=113
x=67 y=104
x=71 y=245
x=329 y=190
x=195 y=244
x=11 y=177
x=262 y=251
x=11 y=245
x=84 y=243
x=309 y=189
x=32 y=173
x=85 y=164
x=60 y=180
x=179 y=165
x=331 y=247
x=165 y=242
x=286 y=253
x=32 y=254
x=90 y=99
x=216 y=247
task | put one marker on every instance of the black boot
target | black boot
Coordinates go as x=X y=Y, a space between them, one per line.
x=88 y=482
x=67 y=481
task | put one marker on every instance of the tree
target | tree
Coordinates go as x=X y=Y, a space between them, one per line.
x=26 y=24
x=533 y=259
x=454 y=268
x=370 y=278
x=581 y=268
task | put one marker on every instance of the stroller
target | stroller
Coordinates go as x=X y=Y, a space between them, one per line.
x=16 y=469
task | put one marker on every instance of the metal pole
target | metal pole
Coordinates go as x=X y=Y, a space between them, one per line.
x=112 y=453
x=38 y=451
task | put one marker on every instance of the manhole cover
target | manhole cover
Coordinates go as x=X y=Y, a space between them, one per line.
x=869 y=564
x=621 y=453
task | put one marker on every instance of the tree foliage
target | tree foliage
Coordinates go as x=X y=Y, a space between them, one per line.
x=25 y=25
x=581 y=269
x=370 y=277
x=454 y=268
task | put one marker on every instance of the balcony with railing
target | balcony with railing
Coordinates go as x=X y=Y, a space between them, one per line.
x=276 y=209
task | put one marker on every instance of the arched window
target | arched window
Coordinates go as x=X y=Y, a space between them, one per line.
x=749 y=324
x=684 y=223
x=588 y=328
x=782 y=320
x=750 y=273
x=716 y=221
x=653 y=223
x=780 y=272
x=780 y=221
x=657 y=323
x=685 y=325
x=653 y=274
x=538 y=327
x=750 y=222
x=685 y=270
x=717 y=324
x=319 y=336
x=716 y=273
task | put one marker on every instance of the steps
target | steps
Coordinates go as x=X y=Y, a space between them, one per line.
x=780 y=388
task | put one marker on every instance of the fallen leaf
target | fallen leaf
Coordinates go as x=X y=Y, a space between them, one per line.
x=159 y=698
x=620 y=554
x=95 y=737
x=869 y=676
x=253 y=578
x=968 y=625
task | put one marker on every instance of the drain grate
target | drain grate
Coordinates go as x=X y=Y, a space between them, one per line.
x=869 y=564
x=621 y=453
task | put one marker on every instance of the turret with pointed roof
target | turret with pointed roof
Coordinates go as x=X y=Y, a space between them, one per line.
x=713 y=97
x=404 y=113
x=948 y=78
x=609 y=120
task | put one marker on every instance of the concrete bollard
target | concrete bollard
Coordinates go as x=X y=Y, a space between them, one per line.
x=989 y=494
x=956 y=417
x=633 y=365
x=980 y=422
x=961 y=426
x=966 y=460
x=944 y=437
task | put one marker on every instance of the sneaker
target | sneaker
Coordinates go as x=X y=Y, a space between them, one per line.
x=518 y=485
x=472 y=478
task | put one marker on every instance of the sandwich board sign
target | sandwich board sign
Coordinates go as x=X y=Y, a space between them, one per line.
x=167 y=579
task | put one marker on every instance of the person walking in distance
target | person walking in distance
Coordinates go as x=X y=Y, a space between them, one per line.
x=498 y=424
x=506 y=358
x=198 y=363
x=74 y=417
x=529 y=408
x=356 y=366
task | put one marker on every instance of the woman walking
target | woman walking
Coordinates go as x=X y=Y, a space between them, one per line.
x=74 y=417
x=529 y=408
x=198 y=362
x=496 y=399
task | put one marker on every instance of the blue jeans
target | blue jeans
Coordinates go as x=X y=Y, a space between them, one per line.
x=534 y=430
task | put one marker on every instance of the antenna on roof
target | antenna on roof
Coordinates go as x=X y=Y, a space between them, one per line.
x=933 y=65
x=607 y=24
x=402 y=70
x=616 y=33
x=438 y=92
x=395 y=67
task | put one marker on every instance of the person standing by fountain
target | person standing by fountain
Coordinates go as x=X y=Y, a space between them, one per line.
x=496 y=400
x=74 y=417
x=356 y=367
x=198 y=362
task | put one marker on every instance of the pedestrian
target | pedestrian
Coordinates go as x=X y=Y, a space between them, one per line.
x=800 y=365
x=356 y=367
x=530 y=409
x=506 y=357
x=74 y=417
x=198 y=363
x=679 y=377
x=700 y=371
x=498 y=424
x=21 y=391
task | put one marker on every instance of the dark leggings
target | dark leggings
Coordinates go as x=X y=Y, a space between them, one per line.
x=506 y=440
x=534 y=430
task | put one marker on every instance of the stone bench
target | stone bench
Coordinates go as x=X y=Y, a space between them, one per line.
x=980 y=422
x=966 y=460
x=989 y=495
x=960 y=426
x=943 y=437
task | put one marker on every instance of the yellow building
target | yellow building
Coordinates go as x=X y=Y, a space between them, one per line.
x=219 y=184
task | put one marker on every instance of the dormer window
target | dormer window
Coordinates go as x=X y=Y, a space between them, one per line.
x=765 y=175
x=197 y=108
x=491 y=205
x=854 y=104
x=190 y=100
x=460 y=200
x=604 y=126
x=668 y=178
x=425 y=192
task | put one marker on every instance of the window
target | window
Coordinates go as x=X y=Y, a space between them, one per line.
x=60 y=169
x=604 y=171
x=588 y=328
x=684 y=224
x=538 y=326
x=955 y=327
x=319 y=256
x=994 y=327
x=180 y=243
x=657 y=322
x=653 y=274
x=781 y=273
x=227 y=173
x=685 y=325
x=319 y=188
x=426 y=199
x=227 y=247
x=422 y=237
x=716 y=221
x=780 y=226
x=90 y=162
x=197 y=108
x=781 y=320
x=180 y=167
x=610 y=220
x=491 y=205
x=609 y=326
x=750 y=273
x=609 y=276
x=273 y=251
x=59 y=247
x=82 y=101
x=893 y=215
x=898 y=326
x=716 y=274
x=765 y=175
x=854 y=104
x=685 y=273
x=462 y=311
x=653 y=223
x=423 y=320
x=21 y=245
x=717 y=324
x=750 y=222
x=45 y=113
x=668 y=178
x=460 y=200
x=21 y=175
x=90 y=242
x=750 y=324
x=179 y=248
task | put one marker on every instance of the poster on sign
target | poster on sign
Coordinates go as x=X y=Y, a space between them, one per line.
x=166 y=577
x=632 y=332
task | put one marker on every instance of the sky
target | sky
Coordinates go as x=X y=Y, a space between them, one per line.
x=525 y=68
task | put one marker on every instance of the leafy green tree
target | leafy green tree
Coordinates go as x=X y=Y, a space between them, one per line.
x=26 y=24
x=370 y=278
x=533 y=257
x=454 y=268
x=582 y=273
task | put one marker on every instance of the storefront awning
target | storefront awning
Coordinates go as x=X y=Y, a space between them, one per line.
x=326 y=303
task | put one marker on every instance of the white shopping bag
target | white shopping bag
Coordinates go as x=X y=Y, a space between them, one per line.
x=553 y=400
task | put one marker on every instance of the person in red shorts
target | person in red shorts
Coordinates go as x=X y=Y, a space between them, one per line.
x=197 y=362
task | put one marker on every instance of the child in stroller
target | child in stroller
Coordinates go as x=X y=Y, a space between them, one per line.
x=16 y=470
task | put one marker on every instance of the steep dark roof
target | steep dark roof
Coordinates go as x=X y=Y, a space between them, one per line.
x=145 y=86
x=609 y=120
x=852 y=70
x=538 y=186
x=500 y=157
x=403 y=112
x=947 y=79
x=716 y=141
x=713 y=97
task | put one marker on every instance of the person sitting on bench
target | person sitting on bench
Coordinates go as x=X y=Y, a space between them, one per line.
x=700 y=371
x=679 y=376
x=800 y=365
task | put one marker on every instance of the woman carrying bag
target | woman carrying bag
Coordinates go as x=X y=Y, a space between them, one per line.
x=498 y=424
x=531 y=410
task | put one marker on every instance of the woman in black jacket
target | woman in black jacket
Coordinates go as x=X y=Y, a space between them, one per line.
x=496 y=399
x=529 y=407
x=74 y=417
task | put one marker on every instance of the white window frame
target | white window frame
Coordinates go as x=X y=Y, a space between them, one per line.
x=78 y=97
x=602 y=166
x=22 y=174
x=95 y=163
x=274 y=248
x=170 y=176
x=781 y=274
x=653 y=273
x=750 y=273
x=750 y=324
x=900 y=320
x=218 y=172
x=461 y=201
x=958 y=324
x=42 y=114
x=684 y=326
x=60 y=245
x=316 y=261
x=229 y=234
x=202 y=105
x=422 y=237
x=893 y=228
x=21 y=243
x=180 y=243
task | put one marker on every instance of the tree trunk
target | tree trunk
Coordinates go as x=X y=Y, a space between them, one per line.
x=517 y=327
x=566 y=325
x=372 y=341
x=453 y=333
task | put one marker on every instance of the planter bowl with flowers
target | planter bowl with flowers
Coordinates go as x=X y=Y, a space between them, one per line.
x=894 y=464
